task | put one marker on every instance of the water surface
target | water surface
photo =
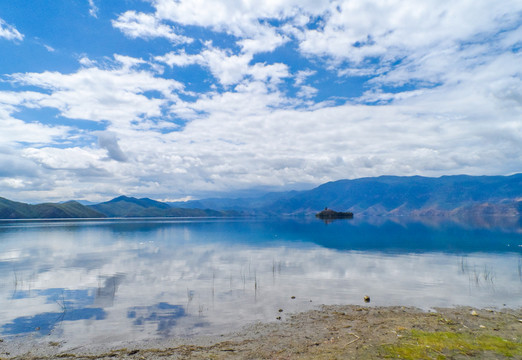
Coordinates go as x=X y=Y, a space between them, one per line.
x=112 y=280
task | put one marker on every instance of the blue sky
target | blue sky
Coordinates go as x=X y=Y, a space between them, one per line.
x=188 y=99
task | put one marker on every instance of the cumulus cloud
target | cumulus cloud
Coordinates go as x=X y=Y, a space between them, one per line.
x=115 y=94
x=140 y=25
x=238 y=17
x=433 y=88
x=18 y=131
x=9 y=32
x=226 y=67
x=411 y=41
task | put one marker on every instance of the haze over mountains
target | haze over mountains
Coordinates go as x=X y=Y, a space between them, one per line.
x=386 y=195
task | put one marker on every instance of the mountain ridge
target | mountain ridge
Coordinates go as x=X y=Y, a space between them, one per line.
x=70 y=209
x=449 y=195
x=125 y=206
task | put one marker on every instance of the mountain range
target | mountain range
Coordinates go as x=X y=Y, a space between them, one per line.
x=459 y=195
x=389 y=195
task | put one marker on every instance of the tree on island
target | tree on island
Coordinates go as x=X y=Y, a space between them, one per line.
x=331 y=214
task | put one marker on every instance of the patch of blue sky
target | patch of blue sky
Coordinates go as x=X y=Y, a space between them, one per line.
x=369 y=41
x=194 y=77
x=7 y=83
x=32 y=56
x=315 y=23
x=201 y=35
x=330 y=86
x=273 y=22
x=517 y=47
x=287 y=53
x=52 y=117
x=57 y=40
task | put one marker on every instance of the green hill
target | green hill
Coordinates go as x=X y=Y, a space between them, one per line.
x=125 y=206
x=71 y=209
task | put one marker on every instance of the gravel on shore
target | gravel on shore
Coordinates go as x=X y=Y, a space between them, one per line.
x=330 y=332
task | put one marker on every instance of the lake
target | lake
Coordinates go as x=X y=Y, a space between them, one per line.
x=138 y=279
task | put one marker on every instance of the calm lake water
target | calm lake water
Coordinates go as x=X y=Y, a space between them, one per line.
x=112 y=280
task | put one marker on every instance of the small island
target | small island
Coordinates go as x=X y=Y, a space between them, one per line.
x=328 y=214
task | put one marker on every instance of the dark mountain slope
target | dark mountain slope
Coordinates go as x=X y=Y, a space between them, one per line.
x=124 y=206
x=388 y=195
x=71 y=209
x=409 y=195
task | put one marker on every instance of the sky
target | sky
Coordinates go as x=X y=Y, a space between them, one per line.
x=185 y=99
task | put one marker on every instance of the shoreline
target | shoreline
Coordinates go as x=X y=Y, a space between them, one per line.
x=331 y=331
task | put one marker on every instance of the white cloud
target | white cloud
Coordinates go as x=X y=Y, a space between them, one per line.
x=12 y=183
x=93 y=9
x=140 y=25
x=372 y=35
x=227 y=68
x=18 y=131
x=9 y=32
x=181 y=58
x=307 y=91
x=459 y=113
x=69 y=158
x=301 y=76
x=266 y=40
x=242 y=18
x=85 y=61
x=116 y=94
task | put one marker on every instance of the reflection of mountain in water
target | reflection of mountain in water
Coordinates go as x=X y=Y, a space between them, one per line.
x=384 y=234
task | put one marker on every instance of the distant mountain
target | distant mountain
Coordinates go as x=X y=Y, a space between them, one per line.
x=71 y=209
x=124 y=206
x=416 y=195
x=83 y=202
x=460 y=195
x=253 y=205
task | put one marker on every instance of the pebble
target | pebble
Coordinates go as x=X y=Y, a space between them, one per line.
x=366 y=299
x=474 y=313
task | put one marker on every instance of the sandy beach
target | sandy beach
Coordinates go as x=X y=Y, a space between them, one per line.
x=329 y=332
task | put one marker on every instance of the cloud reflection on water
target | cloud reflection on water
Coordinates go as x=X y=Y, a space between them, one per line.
x=139 y=280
